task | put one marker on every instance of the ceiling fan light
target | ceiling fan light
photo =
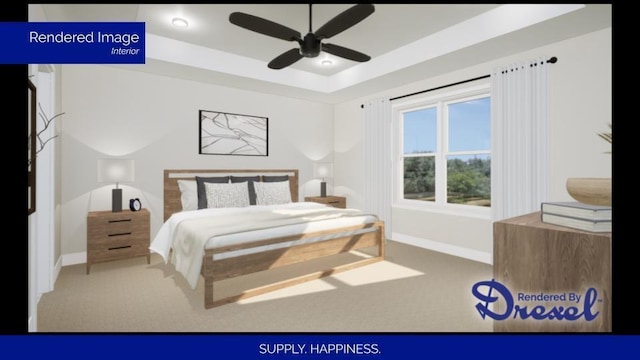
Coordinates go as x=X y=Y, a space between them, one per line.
x=180 y=22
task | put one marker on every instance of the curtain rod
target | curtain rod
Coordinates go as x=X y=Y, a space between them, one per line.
x=552 y=60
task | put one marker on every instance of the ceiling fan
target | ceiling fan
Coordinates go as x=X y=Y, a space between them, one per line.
x=311 y=44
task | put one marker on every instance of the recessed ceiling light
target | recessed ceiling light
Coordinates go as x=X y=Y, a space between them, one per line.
x=326 y=62
x=180 y=22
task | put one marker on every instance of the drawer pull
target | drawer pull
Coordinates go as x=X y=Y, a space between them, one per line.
x=116 y=221
x=120 y=247
x=334 y=202
x=120 y=234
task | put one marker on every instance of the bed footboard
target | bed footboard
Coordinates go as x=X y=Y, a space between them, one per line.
x=216 y=270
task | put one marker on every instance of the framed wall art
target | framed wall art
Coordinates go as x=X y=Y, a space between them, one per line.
x=233 y=134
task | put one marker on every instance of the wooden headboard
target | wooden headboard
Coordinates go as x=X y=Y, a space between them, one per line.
x=173 y=204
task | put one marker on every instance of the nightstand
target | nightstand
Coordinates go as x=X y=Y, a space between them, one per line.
x=117 y=235
x=335 y=201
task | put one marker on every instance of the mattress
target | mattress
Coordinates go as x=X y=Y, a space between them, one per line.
x=281 y=231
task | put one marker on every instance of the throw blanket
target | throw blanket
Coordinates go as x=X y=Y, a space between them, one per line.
x=188 y=233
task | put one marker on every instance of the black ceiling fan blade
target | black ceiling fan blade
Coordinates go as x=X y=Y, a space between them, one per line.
x=264 y=26
x=345 y=53
x=285 y=59
x=344 y=20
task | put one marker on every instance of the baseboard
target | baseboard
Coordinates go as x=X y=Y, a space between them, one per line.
x=31 y=324
x=75 y=258
x=470 y=254
x=56 y=271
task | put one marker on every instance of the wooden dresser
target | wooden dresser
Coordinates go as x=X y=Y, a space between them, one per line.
x=335 y=201
x=117 y=235
x=532 y=257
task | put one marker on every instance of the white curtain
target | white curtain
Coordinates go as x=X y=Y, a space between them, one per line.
x=519 y=136
x=377 y=163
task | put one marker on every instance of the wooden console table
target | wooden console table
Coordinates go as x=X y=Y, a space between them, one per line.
x=532 y=257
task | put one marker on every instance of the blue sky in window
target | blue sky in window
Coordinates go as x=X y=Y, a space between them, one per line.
x=420 y=131
x=469 y=127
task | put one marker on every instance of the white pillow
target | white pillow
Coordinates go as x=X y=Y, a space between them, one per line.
x=272 y=193
x=231 y=195
x=189 y=194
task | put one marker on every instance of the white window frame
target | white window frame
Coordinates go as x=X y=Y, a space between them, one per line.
x=440 y=100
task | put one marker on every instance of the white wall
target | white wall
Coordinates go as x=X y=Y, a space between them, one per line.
x=580 y=107
x=111 y=112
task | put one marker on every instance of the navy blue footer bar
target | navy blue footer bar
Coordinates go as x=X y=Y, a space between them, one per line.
x=320 y=346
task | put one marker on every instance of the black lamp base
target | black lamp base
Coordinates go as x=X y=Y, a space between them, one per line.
x=116 y=200
x=323 y=189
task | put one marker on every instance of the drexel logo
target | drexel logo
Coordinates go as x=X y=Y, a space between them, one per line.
x=492 y=291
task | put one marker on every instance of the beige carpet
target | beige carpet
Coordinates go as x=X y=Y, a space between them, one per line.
x=413 y=290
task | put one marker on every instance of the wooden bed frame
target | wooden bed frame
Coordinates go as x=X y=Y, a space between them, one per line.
x=217 y=270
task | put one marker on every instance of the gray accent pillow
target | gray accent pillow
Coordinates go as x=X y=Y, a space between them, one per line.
x=202 y=194
x=250 y=180
x=275 y=178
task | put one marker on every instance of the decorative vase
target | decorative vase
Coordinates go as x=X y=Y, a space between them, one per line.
x=592 y=191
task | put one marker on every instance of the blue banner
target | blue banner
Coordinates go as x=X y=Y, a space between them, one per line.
x=72 y=42
x=320 y=346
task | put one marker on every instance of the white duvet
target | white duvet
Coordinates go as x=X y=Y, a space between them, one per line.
x=189 y=233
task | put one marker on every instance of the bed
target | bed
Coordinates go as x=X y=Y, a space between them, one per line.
x=221 y=242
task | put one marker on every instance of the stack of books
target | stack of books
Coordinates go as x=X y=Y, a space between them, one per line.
x=576 y=215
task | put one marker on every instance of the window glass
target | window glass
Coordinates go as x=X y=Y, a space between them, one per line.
x=420 y=131
x=470 y=125
x=469 y=180
x=444 y=152
x=420 y=178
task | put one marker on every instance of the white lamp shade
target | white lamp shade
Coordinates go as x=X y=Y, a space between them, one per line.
x=322 y=170
x=115 y=170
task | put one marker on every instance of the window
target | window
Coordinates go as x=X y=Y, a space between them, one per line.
x=443 y=152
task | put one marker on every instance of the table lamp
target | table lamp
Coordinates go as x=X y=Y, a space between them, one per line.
x=323 y=170
x=116 y=170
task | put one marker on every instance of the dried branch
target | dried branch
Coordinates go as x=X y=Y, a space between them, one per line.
x=607 y=136
x=47 y=122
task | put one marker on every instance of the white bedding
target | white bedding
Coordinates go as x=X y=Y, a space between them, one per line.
x=189 y=233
